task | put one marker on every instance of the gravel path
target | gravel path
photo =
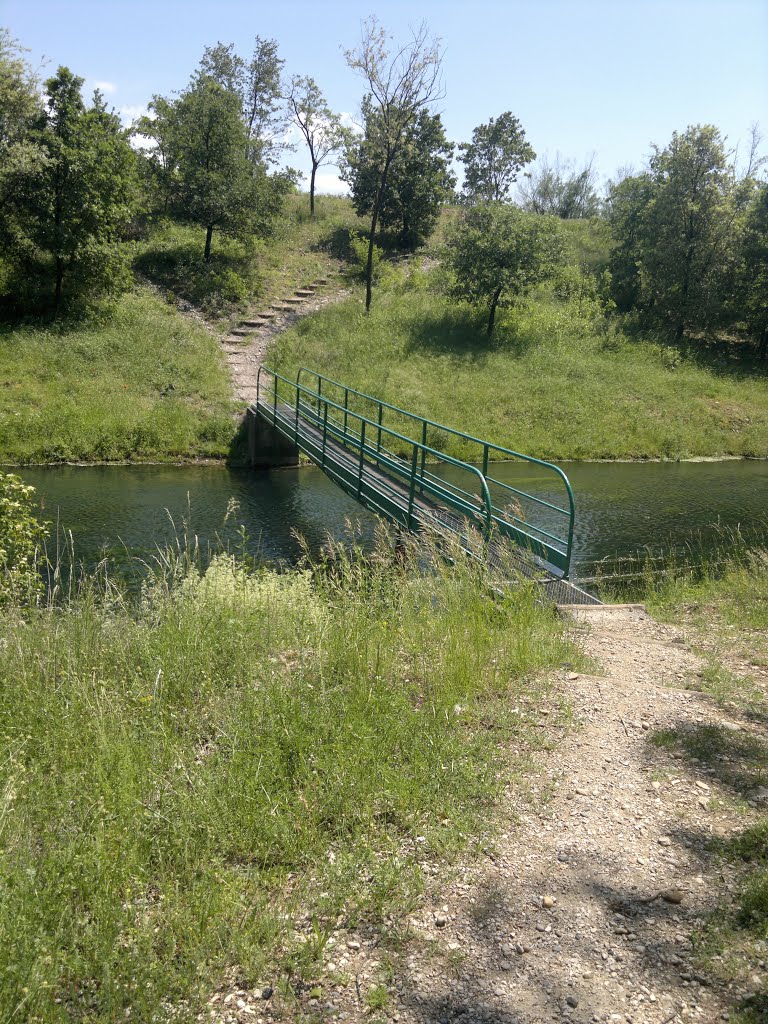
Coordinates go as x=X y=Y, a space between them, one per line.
x=585 y=910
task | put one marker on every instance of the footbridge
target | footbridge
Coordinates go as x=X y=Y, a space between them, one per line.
x=391 y=461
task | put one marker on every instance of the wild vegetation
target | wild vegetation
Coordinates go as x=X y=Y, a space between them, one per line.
x=175 y=809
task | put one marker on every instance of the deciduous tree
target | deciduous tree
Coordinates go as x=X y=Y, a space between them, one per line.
x=560 y=189
x=494 y=158
x=401 y=83
x=420 y=179
x=81 y=197
x=498 y=253
x=322 y=130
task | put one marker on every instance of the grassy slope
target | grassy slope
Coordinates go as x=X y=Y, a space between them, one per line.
x=147 y=383
x=144 y=381
x=555 y=383
x=171 y=806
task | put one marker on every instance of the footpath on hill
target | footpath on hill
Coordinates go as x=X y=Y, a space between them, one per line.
x=245 y=346
x=585 y=908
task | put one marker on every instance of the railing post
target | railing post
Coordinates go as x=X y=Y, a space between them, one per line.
x=360 y=468
x=346 y=410
x=423 y=451
x=485 y=460
x=378 y=439
x=325 y=435
x=412 y=490
x=319 y=391
x=274 y=402
x=296 y=423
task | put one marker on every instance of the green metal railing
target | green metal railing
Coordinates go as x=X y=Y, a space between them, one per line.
x=345 y=432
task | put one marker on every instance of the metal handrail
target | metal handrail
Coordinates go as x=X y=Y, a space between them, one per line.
x=376 y=453
x=487 y=447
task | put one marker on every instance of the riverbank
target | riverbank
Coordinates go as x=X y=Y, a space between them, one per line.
x=202 y=784
x=141 y=383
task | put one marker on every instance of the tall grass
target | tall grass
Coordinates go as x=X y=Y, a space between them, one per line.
x=185 y=776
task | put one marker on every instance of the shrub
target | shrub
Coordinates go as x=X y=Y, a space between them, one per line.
x=21 y=538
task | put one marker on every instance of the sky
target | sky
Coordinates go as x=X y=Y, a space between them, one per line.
x=601 y=79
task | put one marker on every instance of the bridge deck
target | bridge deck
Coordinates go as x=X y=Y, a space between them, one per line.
x=348 y=448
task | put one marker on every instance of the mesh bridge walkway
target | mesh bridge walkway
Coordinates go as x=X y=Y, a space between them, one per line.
x=383 y=458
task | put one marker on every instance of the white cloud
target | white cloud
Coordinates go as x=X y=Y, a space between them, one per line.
x=132 y=112
x=328 y=184
x=105 y=87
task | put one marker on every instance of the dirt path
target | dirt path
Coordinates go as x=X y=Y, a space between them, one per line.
x=246 y=345
x=563 y=923
x=585 y=910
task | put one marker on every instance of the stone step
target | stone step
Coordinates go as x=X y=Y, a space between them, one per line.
x=241 y=332
x=280 y=307
x=320 y=280
x=293 y=301
x=267 y=315
x=304 y=293
x=251 y=323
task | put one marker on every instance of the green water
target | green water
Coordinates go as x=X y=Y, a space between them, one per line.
x=127 y=512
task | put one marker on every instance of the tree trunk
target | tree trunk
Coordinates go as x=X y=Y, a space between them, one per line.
x=59 y=283
x=312 y=192
x=208 y=237
x=374 y=222
x=492 y=317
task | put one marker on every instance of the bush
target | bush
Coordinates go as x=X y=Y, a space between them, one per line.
x=21 y=537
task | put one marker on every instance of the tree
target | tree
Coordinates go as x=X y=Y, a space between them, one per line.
x=79 y=199
x=753 y=290
x=498 y=253
x=203 y=142
x=323 y=131
x=628 y=200
x=257 y=85
x=676 y=229
x=419 y=181
x=22 y=159
x=400 y=84
x=561 y=190
x=494 y=158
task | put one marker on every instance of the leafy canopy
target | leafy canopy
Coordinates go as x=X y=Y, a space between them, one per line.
x=494 y=158
x=498 y=253
x=419 y=181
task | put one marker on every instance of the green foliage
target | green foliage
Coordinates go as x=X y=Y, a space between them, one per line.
x=21 y=540
x=678 y=232
x=561 y=190
x=72 y=205
x=753 y=279
x=498 y=254
x=186 y=778
x=401 y=83
x=201 y=161
x=494 y=158
x=419 y=180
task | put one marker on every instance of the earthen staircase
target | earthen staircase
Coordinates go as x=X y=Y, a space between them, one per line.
x=246 y=344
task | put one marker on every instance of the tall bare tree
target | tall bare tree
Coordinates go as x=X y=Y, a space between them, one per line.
x=401 y=81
